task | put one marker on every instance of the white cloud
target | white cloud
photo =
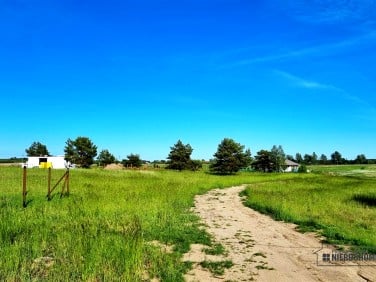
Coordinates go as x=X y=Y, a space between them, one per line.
x=330 y=11
x=304 y=83
x=317 y=50
x=368 y=110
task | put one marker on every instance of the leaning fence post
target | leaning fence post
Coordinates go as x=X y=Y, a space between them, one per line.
x=67 y=181
x=24 y=204
x=64 y=183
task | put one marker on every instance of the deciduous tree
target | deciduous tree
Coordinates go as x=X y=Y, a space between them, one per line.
x=314 y=158
x=298 y=158
x=278 y=158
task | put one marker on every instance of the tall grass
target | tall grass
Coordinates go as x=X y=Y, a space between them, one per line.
x=346 y=170
x=321 y=202
x=103 y=230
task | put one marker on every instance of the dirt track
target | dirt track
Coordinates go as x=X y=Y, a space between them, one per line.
x=260 y=248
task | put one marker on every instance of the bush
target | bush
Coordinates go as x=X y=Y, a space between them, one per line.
x=302 y=168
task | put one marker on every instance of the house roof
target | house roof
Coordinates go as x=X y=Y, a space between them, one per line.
x=291 y=163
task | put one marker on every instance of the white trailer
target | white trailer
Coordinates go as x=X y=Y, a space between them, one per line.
x=46 y=162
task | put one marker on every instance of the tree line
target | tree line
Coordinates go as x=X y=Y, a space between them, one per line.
x=335 y=159
x=229 y=158
x=84 y=153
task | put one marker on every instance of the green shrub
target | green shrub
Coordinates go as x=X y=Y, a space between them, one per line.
x=302 y=168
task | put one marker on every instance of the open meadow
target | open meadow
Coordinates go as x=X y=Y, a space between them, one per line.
x=337 y=201
x=136 y=225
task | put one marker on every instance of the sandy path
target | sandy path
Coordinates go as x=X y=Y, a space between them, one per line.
x=260 y=248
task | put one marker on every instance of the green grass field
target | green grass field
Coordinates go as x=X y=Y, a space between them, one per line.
x=104 y=229
x=337 y=201
x=346 y=170
x=107 y=228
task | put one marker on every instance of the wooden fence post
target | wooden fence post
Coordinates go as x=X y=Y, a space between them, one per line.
x=24 y=192
x=64 y=183
x=65 y=188
x=67 y=181
x=49 y=184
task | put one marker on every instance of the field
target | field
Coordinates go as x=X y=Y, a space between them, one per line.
x=337 y=201
x=346 y=170
x=135 y=225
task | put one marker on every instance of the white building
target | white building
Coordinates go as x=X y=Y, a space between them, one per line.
x=46 y=162
x=290 y=166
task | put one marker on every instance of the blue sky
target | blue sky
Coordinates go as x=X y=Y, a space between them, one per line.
x=136 y=76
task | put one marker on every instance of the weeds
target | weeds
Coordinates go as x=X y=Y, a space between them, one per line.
x=259 y=255
x=217 y=267
x=215 y=250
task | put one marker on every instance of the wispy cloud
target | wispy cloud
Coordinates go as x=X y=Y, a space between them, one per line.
x=331 y=11
x=369 y=110
x=317 y=50
x=297 y=81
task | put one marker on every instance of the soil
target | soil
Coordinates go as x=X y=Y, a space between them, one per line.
x=114 y=166
x=261 y=248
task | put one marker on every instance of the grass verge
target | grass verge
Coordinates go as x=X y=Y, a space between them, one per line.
x=339 y=207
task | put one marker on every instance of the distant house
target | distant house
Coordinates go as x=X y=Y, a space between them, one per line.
x=47 y=162
x=290 y=166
